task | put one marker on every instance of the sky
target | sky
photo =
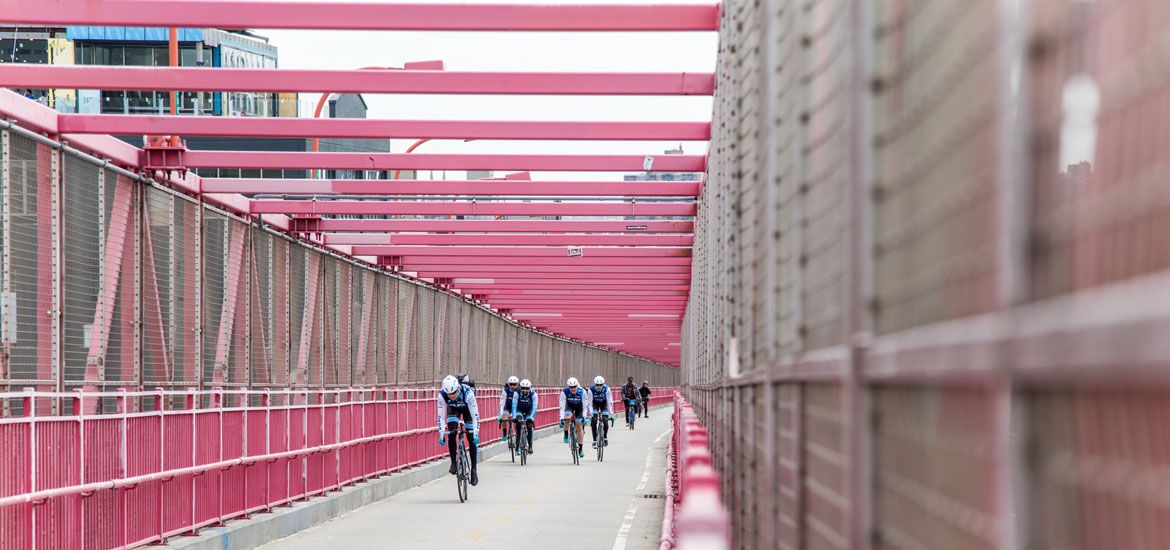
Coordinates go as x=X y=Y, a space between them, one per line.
x=544 y=51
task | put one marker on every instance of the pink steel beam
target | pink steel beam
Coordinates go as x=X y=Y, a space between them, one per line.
x=499 y=239
x=556 y=287
x=490 y=262
x=522 y=251
x=541 y=271
x=472 y=208
x=434 y=161
x=506 y=226
x=381 y=129
x=334 y=81
x=439 y=187
x=541 y=283
x=236 y=14
x=566 y=293
x=539 y=277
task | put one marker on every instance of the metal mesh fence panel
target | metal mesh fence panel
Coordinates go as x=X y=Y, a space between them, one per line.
x=298 y=358
x=1101 y=203
x=934 y=461
x=95 y=251
x=29 y=274
x=158 y=288
x=937 y=162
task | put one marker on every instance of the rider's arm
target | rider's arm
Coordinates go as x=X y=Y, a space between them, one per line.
x=609 y=400
x=535 y=405
x=561 y=400
x=514 y=402
x=474 y=407
x=442 y=412
x=588 y=401
x=503 y=394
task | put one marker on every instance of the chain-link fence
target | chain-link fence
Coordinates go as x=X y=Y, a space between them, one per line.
x=930 y=273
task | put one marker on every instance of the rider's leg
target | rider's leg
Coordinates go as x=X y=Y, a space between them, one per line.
x=452 y=426
x=593 y=427
x=567 y=421
x=531 y=426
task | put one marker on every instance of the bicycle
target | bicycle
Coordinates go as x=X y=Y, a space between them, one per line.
x=508 y=433
x=574 y=442
x=601 y=437
x=462 y=461
x=631 y=413
x=521 y=443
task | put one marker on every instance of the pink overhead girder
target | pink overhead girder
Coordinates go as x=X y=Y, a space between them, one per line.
x=472 y=208
x=381 y=129
x=452 y=187
x=436 y=161
x=237 y=14
x=508 y=239
x=221 y=79
x=492 y=261
x=522 y=251
x=499 y=226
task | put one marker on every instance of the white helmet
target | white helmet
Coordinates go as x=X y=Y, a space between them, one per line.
x=600 y=380
x=450 y=384
x=526 y=383
x=571 y=382
x=513 y=380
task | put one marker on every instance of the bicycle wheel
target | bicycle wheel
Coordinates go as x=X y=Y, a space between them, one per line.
x=461 y=478
x=512 y=443
x=601 y=448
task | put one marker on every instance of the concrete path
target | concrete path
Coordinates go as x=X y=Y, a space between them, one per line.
x=548 y=504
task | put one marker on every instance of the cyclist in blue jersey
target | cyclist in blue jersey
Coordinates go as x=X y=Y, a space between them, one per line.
x=525 y=403
x=602 y=404
x=574 y=410
x=456 y=402
x=505 y=411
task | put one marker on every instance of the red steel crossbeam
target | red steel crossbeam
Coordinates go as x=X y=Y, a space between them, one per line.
x=381 y=129
x=538 y=276
x=541 y=283
x=491 y=262
x=500 y=239
x=493 y=226
x=238 y=14
x=520 y=271
x=436 y=161
x=472 y=208
x=451 y=187
x=219 y=79
x=522 y=251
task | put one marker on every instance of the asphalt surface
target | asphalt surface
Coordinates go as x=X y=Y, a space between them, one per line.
x=548 y=504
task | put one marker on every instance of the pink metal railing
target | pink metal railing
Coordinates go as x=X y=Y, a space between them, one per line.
x=695 y=516
x=198 y=458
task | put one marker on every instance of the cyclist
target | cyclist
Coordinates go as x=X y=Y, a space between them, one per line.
x=602 y=407
x=629 y=393
x=524 y=406
x=456 y=402
x=506 y=403
x=574 y=410
x=644 y=392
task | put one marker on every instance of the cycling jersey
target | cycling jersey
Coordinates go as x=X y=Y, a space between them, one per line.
x=506 y=399
x=525 y=404
x=574 y=402
x=462 y=406
x=602 y=398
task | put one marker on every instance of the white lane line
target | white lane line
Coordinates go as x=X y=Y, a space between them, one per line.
x=628 y=521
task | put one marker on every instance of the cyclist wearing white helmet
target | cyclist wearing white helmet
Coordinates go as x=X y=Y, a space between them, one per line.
x=506 y=403
x=456 y=403
x=524 y=406
x=574 y=409
x=602 y=407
